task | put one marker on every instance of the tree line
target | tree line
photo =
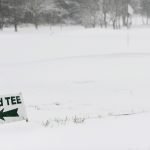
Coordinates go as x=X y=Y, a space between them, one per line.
x=89 y=13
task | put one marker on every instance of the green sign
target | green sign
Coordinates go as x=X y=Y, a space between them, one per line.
x=12 y=108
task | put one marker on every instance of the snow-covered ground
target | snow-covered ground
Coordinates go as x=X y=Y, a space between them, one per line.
x=84 y=88
x=114 y=133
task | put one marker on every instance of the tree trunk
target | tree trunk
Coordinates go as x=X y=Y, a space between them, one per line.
x=15 y=22
x=16 y=27
x=1 y=24
x=36 y=22
x=105 y=21
x=147 y=20
x=124 y=20
x=1 y=16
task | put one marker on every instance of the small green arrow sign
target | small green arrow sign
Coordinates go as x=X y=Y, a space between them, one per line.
x=10 y=113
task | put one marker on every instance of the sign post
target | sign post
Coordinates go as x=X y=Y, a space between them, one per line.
x=12 y=108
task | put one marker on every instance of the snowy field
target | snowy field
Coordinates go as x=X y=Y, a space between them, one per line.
x=85 y=89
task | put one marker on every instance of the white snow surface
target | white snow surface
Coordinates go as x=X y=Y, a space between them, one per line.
x=85 y=89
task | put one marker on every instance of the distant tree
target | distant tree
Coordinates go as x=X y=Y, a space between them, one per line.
x=115 y=13
x=89 y=12
x=49 y=11
x=16 y=11
x=2 y=9
x=35 y=8
x=145 y=8
x=68 y=10
x=105 y=10
x=125 y=14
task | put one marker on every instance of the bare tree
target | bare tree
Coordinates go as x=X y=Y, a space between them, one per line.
x=35 y=7
x=145 y=7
